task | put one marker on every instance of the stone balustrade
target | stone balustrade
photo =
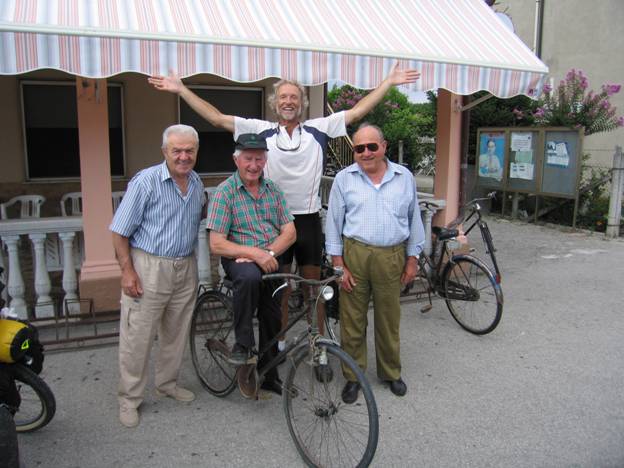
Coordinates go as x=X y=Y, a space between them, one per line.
x=15 y=231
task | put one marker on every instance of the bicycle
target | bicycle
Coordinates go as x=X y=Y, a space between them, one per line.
x=325 y=430
x=472 y=293
x=27 y=397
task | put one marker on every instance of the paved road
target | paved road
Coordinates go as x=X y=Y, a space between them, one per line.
x=543 y=390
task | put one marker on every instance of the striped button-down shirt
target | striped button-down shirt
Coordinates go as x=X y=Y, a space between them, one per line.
x=383 y=217
x=156 y=217
x=247 y=220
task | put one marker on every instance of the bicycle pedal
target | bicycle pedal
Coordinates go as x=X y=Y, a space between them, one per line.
x=426 y=308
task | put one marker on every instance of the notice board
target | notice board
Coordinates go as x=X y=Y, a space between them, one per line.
x=561 y=163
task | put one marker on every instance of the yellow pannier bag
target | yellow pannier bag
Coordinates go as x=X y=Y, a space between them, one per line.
x=14 y=340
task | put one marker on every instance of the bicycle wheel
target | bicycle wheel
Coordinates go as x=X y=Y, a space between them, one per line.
x=38 y=403
x=211 y=339
x=326 y=431
x=472 y=295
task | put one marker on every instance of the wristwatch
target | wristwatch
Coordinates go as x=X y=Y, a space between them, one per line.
x=271 y=253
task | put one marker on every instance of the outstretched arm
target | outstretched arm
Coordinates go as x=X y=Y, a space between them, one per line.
x=173 y=84
x=365 y=105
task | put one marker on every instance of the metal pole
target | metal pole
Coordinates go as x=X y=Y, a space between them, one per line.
x=514 y=205
x=615 y=201
x=401 y=152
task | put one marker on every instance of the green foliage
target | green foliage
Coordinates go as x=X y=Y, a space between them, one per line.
x=593 y=201
x=398 y=118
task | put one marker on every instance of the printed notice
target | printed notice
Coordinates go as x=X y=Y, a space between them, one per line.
x=521 y=141
x=521 y=171
x=557 y=154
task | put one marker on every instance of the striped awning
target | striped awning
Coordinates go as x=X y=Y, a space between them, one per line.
x=458 y=45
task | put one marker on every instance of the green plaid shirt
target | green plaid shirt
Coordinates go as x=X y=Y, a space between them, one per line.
x=244 y=219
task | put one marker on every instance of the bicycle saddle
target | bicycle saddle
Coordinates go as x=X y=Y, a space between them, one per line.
x=443 y=233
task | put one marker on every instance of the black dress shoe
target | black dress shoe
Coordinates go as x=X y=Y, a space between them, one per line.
x=350 y=392
x=274 y=386
x=398 y=387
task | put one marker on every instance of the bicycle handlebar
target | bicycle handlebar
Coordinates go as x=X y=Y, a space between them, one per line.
x=312 y=282
x=489 y=196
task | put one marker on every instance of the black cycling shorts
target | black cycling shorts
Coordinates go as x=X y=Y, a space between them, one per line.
x=309 y=245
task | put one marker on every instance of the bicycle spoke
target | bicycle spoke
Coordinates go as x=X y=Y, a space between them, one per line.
x=472 y=295
x=327 y=431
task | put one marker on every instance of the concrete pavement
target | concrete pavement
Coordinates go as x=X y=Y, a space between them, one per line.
x=543 y=390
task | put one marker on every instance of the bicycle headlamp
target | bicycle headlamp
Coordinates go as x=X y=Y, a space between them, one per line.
x=327 y=293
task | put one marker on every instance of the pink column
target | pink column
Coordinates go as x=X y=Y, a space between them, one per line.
x=99 y=276
x=448 y=157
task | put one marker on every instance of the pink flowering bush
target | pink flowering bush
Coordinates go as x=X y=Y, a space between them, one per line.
x=570 y=104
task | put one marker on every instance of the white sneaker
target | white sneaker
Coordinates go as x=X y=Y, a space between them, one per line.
x=281 y=345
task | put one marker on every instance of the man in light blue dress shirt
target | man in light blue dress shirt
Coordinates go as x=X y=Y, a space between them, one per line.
x=374 y=231
x=155 y=234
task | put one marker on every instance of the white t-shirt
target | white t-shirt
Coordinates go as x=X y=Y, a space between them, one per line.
x=298 y=171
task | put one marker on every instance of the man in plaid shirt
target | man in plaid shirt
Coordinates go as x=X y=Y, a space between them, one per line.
x=250 y=226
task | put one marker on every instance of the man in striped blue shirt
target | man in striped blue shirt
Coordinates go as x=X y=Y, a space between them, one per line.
x=374 y=231
x=155 y=234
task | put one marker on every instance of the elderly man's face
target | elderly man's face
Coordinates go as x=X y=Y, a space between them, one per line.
x=180 y=154
x=369 y=150
x=250 y=164
x=288 y=102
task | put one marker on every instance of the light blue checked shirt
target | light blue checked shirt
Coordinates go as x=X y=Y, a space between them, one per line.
x=155 y=216
x=381 y=217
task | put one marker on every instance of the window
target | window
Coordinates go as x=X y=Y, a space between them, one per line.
x=51 y=129
x=215 y=144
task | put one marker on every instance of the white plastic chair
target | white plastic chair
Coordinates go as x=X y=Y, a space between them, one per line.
x=75 y=204
x=117 y=196
x=30 y=206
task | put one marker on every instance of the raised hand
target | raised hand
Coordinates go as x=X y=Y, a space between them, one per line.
x=399 y=76
x=171 y=83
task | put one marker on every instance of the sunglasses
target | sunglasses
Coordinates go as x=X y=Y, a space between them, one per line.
x=372 y=147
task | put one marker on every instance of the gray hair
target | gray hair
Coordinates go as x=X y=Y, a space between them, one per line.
x=179 y=129
x=272 y=99
x=364 y=125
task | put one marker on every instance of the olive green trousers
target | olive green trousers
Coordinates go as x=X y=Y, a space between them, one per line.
x=377 y=273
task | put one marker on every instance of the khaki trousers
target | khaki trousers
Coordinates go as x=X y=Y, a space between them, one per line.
x=377 y=272
x=166 y=307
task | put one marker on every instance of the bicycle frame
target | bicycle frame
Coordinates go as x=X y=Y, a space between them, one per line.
x=432 y=267
x=475 y=210
x=312 y=331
